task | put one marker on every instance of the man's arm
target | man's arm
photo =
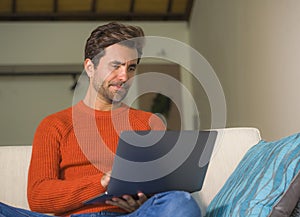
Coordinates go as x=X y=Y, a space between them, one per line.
x=47 y=191
x=157 y=123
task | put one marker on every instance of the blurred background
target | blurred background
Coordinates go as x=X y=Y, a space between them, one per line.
x=252 y=46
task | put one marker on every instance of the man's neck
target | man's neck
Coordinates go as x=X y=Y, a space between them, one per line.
x=97 y=103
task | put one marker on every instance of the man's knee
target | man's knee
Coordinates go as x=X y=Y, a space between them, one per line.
x=180 y=202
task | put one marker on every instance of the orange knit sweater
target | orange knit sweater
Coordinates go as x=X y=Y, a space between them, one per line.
x=71 y=151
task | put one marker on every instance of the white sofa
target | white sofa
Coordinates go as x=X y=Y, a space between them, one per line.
x=232 y=144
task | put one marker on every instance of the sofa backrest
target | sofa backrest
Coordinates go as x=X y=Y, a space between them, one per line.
x=230 y=147
x=14 y=163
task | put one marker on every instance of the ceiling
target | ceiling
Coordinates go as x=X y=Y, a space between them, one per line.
x=100 y=10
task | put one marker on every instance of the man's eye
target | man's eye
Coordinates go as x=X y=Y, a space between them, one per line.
x=131 y=69
x=116 y=66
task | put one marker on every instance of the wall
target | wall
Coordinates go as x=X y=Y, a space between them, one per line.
x=254 y=48
x=26 y=100
x=63 y=42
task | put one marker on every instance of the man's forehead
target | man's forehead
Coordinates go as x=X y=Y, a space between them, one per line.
x=121 y=53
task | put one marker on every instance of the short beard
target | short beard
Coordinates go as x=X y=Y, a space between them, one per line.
x=108 y=96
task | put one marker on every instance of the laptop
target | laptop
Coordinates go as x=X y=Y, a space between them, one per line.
x=157 y=161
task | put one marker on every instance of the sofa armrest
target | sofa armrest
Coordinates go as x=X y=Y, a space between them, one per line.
x=14 y=163
x=231 y=145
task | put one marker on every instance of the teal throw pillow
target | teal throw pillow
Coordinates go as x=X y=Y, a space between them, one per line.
x=265 y=183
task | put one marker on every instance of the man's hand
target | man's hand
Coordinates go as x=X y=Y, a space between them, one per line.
x=127 y=202
x=105 y=179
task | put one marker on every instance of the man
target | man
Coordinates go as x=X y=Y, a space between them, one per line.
x=71 y=155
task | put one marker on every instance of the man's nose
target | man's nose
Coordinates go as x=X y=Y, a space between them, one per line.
x=122 y=73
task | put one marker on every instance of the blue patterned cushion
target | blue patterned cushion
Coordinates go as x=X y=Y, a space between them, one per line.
x=260 y=181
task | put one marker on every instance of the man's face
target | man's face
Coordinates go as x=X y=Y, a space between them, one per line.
x=115 y=68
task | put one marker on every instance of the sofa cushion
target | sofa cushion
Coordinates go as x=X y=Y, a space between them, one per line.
x=265 y=183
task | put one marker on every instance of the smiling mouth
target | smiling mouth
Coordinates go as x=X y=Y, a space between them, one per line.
x=118 y=86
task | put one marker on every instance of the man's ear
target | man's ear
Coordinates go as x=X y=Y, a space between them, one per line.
x=89 y=67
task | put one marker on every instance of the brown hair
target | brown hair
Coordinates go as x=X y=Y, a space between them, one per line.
x=112 y=33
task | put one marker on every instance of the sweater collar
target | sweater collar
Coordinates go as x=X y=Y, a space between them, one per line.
x=81 y=106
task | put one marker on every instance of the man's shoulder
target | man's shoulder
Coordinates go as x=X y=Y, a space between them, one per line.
x=63 y=116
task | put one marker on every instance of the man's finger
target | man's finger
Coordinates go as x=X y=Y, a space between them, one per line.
x=120 y=203
x=142 y=198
